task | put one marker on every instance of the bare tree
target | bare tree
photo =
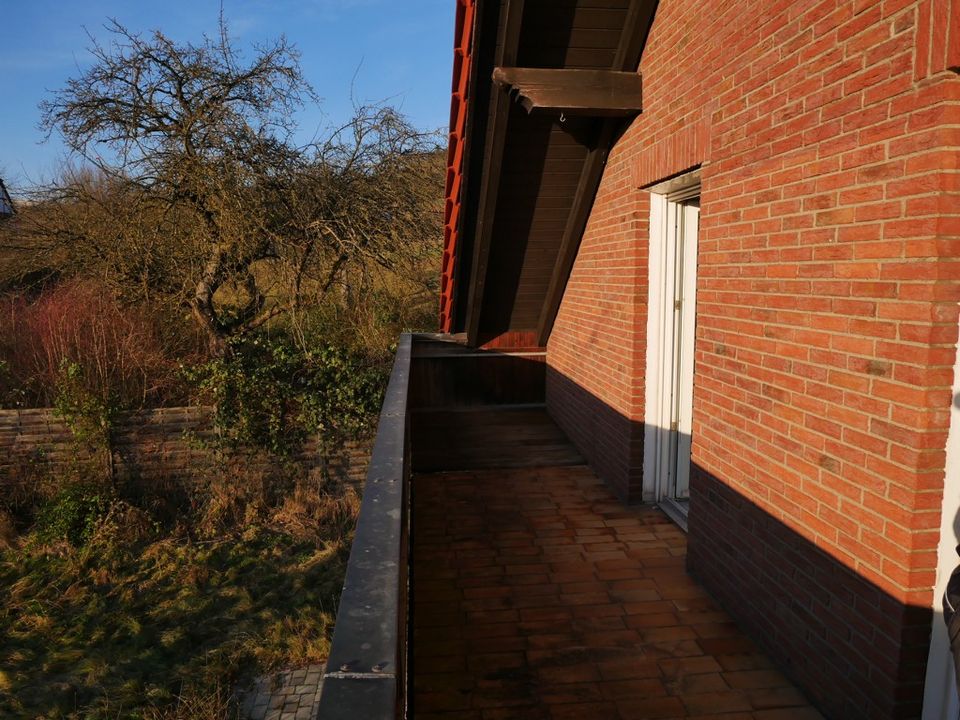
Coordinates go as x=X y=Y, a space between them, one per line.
x=200 y=195
x=373 y=200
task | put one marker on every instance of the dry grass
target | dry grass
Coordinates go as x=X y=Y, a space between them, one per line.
x=8 y=532
x=217 y=704
x=158 y=621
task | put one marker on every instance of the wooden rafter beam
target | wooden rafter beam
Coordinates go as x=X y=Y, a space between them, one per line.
x=635 y=30
x=632 y=40
x=508 y=42
x=594 y=93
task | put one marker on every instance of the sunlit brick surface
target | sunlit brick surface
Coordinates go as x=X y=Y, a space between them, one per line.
x=538 y=595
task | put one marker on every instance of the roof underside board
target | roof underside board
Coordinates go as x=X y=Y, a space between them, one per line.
x=515 y=231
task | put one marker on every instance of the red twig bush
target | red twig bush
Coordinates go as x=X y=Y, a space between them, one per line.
x=125 y=355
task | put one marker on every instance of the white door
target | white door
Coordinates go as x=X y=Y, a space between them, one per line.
x=675 y=220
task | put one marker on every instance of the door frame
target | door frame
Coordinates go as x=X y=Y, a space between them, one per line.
x=666 y=199
x=940 y=700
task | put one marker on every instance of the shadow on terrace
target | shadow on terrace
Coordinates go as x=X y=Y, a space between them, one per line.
x=493 y=575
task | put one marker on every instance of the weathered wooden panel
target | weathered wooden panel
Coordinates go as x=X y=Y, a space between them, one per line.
x=539 y=150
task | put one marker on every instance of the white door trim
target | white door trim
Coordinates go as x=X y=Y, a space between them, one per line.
x=653 y=410
x=940 y=701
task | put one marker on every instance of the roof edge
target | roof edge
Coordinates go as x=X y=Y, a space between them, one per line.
x=459 y=109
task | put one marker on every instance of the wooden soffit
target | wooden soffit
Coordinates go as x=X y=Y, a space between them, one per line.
x=632 y=41
x=538 y=63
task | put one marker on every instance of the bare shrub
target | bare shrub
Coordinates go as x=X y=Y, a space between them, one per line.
x=123 y=524
x=193 y=704
x=124 y=354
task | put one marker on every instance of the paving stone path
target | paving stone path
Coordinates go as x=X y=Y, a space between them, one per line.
x=287 y=695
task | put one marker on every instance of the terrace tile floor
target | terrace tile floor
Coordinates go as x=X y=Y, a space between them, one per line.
x=537 y=595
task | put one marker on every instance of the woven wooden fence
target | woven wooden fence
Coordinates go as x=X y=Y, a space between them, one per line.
x=167 y=443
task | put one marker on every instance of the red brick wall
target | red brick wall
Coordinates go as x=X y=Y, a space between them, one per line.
x=827 y=294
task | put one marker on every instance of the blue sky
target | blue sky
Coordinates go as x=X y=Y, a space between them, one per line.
x=384 y=49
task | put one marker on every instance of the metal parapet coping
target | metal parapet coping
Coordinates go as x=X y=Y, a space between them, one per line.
x=366 y=672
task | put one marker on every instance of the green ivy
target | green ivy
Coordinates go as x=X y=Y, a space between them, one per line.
x=270 y=394
x=73 y=514
x=89 y=418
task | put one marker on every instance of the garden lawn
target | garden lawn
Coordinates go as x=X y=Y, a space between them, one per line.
x=150 y=629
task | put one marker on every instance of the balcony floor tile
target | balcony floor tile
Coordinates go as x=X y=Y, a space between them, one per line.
x=537 y=595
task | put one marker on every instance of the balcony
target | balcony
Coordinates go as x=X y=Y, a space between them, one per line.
x=493 y=575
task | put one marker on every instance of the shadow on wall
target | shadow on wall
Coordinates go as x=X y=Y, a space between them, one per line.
x=611 y=442
x=854 y=649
